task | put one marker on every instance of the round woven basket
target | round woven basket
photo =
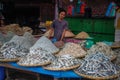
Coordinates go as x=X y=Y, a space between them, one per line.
x=98 y=78
x=9 y=60
x=76 y=56
x=115 y=46
x=63 y=68
x=34 y=65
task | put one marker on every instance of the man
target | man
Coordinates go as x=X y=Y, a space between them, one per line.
x=59 y=26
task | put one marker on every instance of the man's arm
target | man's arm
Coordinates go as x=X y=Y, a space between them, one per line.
x=63 y=34
x=51 y=32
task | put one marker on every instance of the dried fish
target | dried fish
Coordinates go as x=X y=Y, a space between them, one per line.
x=117 y=52
x=64 y=61
x=73 y=49
x=45 y=44
x=6 y=37
x=12 y=50
x=39 y=58
x=98 y=65
x=103 y=48
x=17 y=47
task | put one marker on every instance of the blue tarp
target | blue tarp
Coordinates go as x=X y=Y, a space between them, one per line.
x=55 y=74
x=2 y=73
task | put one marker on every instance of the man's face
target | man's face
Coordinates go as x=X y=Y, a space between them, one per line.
x=62 y=15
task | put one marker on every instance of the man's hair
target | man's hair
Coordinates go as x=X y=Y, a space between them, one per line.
x=62 y=10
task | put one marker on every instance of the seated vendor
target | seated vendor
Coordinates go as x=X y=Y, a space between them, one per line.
x=59 y=26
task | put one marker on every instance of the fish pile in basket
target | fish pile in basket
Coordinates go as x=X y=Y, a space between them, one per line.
x=16 y=48
x=41 y=53
x=73 y=49
x=5 y=37
x=12 y=50
x=40 y=58
x=117 y=52
x=97 y=66
x=103 y=48
x=45 y=44
x=64 y=62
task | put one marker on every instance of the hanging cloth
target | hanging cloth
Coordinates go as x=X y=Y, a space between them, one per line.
x=82 y=9
x=70 y=10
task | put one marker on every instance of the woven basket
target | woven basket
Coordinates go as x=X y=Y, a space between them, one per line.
x=76 y=56
x=115 y=46
x=63 y=69
x=34 y=65
x=98 y=78
x=9 y=60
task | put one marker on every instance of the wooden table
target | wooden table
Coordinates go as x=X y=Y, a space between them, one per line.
x=8 y=66
x=42 y=75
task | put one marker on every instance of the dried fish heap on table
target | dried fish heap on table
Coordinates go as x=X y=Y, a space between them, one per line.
x=103 y=48
x=82 y=43
x=117 y=52
x=98 y=66
x=9 y=36
x=117 y=60
x=17 y=47
x=40 y=58
x=1 y=39
x=64 y=62
x=25 y=41
x=45 y=44
x=5 y=37
x=29 y=40
x=12 y=50
x=73 y=49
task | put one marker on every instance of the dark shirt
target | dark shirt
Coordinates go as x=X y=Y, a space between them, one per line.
x=59 y=27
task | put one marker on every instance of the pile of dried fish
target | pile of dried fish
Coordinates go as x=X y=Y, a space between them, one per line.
x=64 y=62
x=103 y=48
x=23 y=41
x=9 y=36
x=97 y=66
x=2 y=38
x=6 y=37
x=45 y=44
x=12 y=50
x=73 y=49
x=40 y=58
x=82 y=43
x=17 y=47
x=117 y=52
x=29 y=40
x=37 y=51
